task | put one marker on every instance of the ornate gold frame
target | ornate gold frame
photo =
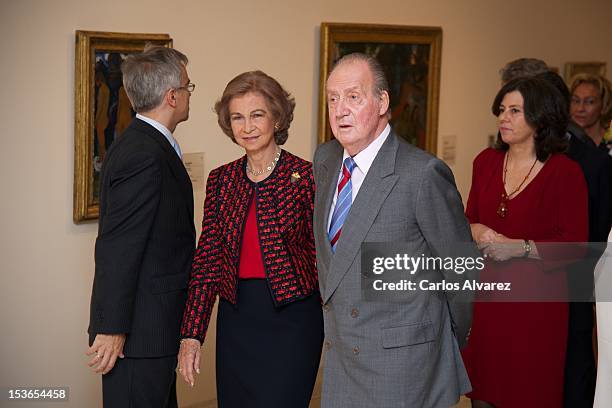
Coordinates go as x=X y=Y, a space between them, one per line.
x=573 y=68
x=85 y=207
x=335 y=33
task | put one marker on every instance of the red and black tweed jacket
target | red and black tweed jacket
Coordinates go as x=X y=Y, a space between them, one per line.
x=285 y=202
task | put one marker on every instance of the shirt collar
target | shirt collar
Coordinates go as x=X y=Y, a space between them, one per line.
x=365 y=158
x=164 y=131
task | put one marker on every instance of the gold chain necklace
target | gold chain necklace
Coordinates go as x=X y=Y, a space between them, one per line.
x=270 y=167
x=502 y=209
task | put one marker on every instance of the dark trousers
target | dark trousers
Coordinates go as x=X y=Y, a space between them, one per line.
x=580 y=372
x=141 y=383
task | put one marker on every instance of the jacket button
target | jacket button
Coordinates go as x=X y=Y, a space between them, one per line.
x=326 y=307
x=355 y=350
x=354 y=313
x=327 y=344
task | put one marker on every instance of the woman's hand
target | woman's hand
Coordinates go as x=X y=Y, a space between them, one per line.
x=483 y=234
x=189 y=360
x=495 y=245
x=502 y=248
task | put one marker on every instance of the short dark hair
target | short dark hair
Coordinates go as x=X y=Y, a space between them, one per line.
x=280 y=102
x=522 y=67
x=544 y=109
x=555 y=80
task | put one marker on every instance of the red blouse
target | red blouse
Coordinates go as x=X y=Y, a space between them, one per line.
x=251 y=262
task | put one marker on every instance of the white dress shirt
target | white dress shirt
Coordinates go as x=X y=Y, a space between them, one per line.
x=164 y=131
x=363 y=162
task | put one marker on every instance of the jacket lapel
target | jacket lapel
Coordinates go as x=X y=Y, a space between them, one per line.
x=326 y=181
x=376 y=186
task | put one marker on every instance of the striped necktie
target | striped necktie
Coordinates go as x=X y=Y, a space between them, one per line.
x=343 y=202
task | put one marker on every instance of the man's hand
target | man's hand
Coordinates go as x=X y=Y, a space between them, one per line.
x=189 y=360
x=106 y=347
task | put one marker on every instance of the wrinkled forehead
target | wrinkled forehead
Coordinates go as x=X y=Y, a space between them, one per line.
x=349 y=75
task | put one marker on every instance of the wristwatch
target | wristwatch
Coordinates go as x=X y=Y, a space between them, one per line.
x=526 y=248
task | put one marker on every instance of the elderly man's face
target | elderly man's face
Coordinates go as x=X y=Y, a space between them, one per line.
x=356 y=115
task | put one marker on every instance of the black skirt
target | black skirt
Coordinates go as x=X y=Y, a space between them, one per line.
x=266 y=356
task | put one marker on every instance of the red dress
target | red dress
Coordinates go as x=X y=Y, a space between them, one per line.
x=515 y=355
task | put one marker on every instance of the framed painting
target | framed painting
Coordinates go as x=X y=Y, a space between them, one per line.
x=573 y=68
x=410 y=57
x=102 y=109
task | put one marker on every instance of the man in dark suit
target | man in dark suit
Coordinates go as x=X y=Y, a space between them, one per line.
x=146 y=239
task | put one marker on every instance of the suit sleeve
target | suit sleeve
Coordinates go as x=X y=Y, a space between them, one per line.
x=131 y=205
x=206 y=269
x=603 y=206
x=442 y=222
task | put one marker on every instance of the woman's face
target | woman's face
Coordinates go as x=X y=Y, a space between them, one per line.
x=586 y=105
x=252 y=122
x=511 y=122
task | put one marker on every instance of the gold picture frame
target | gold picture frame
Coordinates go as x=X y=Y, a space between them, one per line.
x=101 y=107
x=411 y=57
x=573 y=68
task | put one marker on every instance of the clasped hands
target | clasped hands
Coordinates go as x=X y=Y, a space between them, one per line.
x=495 y=245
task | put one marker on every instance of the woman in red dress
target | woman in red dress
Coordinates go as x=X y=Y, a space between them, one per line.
x=524 y=193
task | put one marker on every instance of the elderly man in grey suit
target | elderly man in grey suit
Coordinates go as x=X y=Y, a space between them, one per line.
x=374 y=187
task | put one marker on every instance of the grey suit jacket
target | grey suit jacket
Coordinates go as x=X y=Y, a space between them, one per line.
x=384 y=354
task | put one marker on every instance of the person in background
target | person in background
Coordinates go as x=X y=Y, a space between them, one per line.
x=591 y=106
x=146 y=239
x=256 y=253
x=603 y=295
x=597 y=169
x=580 y=369
x=522 y=67
x=524 y=192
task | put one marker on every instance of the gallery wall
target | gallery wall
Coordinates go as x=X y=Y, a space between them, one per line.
x=47 y=261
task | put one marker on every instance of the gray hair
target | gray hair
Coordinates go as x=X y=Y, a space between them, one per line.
x=522 y=67
x=148 y=75
x=378 y=73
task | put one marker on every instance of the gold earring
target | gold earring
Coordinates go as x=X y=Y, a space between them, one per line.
x=276 y=126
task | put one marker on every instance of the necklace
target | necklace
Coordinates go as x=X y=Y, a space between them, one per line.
x=270 y=167
x=502 y=209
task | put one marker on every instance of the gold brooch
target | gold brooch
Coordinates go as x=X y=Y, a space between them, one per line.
x=295 y=177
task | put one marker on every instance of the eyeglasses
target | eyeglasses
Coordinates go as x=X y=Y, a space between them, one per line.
x=588 y=101
x=189 y=87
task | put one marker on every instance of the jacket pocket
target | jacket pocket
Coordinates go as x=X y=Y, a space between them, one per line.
x=169 y=283
x=409 y=335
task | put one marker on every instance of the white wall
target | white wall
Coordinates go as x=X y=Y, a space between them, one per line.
x=46 y=260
